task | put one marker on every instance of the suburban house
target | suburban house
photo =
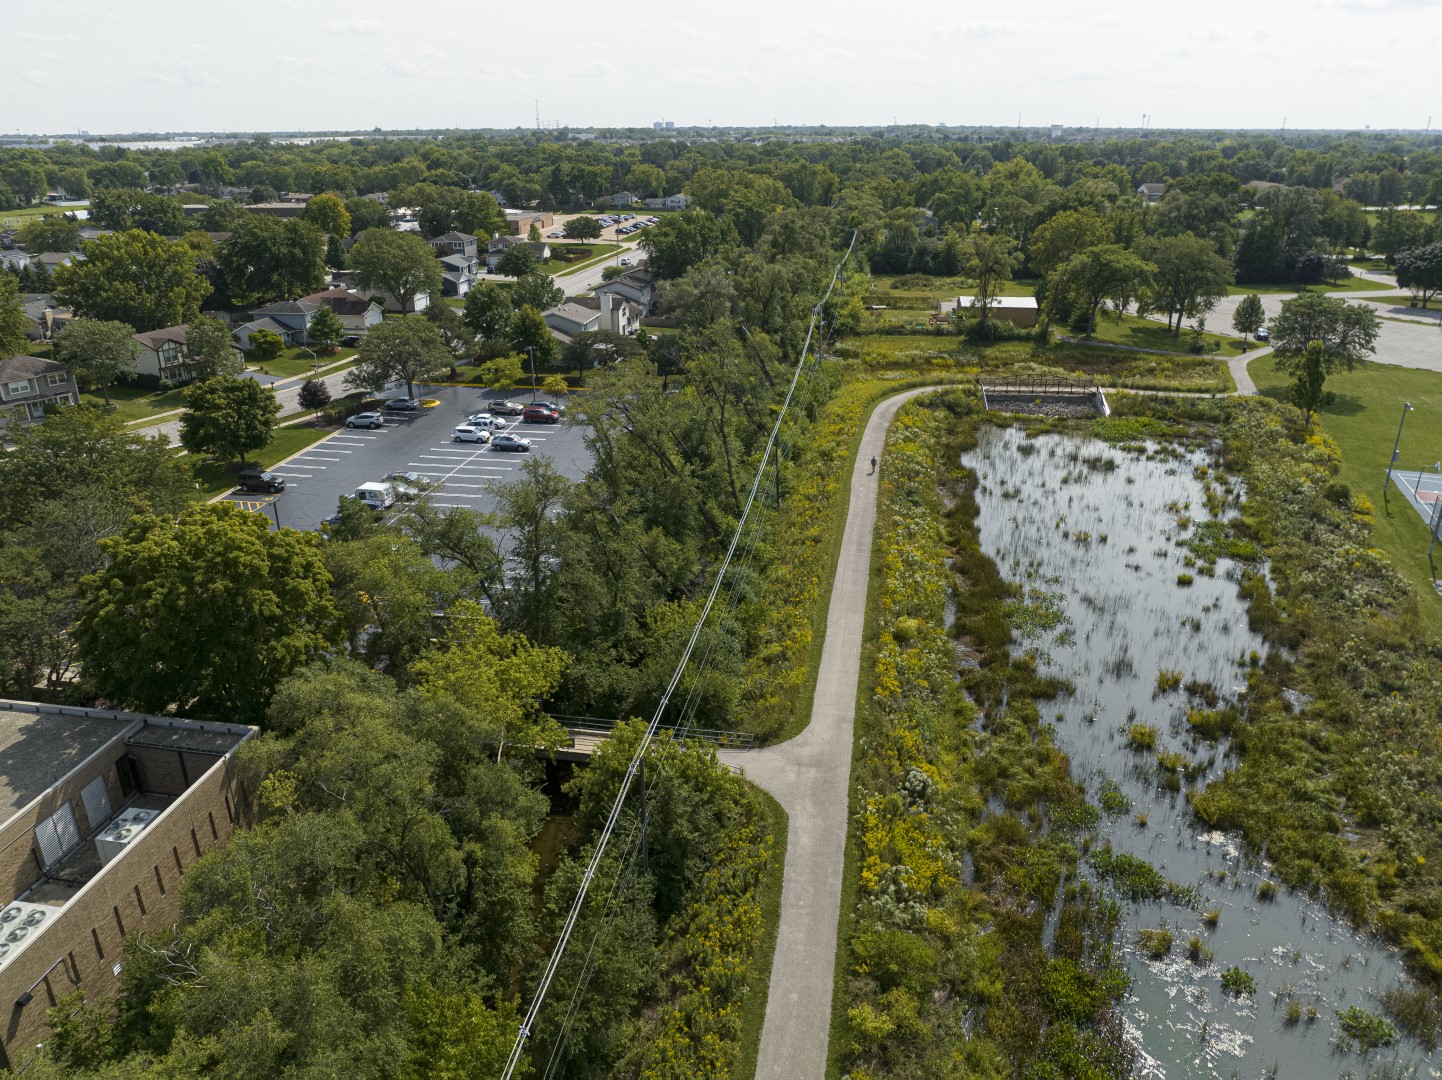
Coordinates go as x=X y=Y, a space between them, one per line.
x=458 y=274
x=668 y=202
x=357 y=313
x=43 y=317
x=621 y=198
x=1259 y=185
x=499 y=245
x=49 y=260
x=580 y=314
x=1152 y=192
x=163 y=355
x=634 y=285
x=294 y=315
x=500 y=199
x=14 y=259
x=28 y=384
x=96 y=234
x=454 y=243
x=242 y=333
x=519 y=222
x=103 y=815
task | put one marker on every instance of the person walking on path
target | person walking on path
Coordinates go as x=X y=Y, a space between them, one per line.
x=873 y=465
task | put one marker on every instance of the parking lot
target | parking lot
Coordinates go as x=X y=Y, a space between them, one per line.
x=420 y=443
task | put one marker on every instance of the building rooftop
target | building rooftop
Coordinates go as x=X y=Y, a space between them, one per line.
x=27 y=367
x=37 y=749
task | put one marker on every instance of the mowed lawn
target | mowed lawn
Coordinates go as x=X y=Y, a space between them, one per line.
x=1363 y=420
x=1351 y=284
x=1139 y=333
x=135 y=402
x=216 y=477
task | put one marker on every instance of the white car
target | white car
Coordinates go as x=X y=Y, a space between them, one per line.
x=486 y=420
x=471 y=433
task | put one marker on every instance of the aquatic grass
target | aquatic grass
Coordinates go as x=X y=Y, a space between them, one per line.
x=1365 y=1030
x=1155 y=943
x=1238 y=983
x=1141 y=736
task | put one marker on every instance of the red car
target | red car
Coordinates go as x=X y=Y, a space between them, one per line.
x=537 y=414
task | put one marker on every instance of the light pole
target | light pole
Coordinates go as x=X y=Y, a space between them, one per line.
x=532 y=350
x=1406 y=408
x=314 y=360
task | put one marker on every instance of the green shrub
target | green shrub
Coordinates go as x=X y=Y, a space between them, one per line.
x=1155 y=943
x=1238 y=983
x=1365 y=1029
x=1142 y=736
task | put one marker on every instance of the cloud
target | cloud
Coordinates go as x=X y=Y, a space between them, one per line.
x=986 y=30
x=360 y=27
x=31 y=35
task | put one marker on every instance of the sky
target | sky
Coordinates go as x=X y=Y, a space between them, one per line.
x=113 y=66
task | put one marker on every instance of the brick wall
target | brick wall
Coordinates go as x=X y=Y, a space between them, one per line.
x=137 y=892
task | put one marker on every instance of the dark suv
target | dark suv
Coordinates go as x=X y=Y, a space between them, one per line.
x=259 y=480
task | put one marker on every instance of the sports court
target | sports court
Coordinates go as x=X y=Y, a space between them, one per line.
x=1423 y=489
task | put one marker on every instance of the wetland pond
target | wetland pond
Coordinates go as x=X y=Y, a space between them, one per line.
x=1092 y=532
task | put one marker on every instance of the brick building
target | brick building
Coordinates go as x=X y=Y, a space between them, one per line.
x=104 y=813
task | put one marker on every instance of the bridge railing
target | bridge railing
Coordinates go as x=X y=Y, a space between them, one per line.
x=599 y=725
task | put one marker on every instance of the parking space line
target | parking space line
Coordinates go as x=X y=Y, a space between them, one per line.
x=325 y=459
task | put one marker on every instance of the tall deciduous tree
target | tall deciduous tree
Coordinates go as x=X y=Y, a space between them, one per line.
x=584 y=227
x=1249 y=316
x=328 y=214
x=1061 y=236
x=399 y=350
x=134 y=277
x=100 y=351
x=227 y=417
x=679 y=241
x=1189 y=279
x=1421 y=271
x=536 y=290
x=210 y=349
x=208 y=612
x=1110 y=272
x=1346 y=332
x=991 y=258
x=401 y=264
x=53 y=232
x=13 y=322
x=517 y=261
x=488 y=311
x=1309 y=375
x=530 y=334
x=268 y=259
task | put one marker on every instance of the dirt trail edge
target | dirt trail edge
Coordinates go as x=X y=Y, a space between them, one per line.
x=810 y=777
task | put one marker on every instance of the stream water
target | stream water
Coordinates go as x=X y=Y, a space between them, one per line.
x=1094 y=529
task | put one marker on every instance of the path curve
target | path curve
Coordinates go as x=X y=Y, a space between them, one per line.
x=810 y=777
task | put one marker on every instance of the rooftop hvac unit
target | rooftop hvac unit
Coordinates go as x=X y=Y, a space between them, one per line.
x=116 y=837
x=21 y=923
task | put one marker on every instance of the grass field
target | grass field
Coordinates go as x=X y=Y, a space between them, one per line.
x=1363 y=419
x=1354 y=284
x=1427 y=215
x=1139 y=333
x=29 y=213
x=216 y=477
x=135 y=402
x=293 y=362
x=603 y=252
x=917 y=301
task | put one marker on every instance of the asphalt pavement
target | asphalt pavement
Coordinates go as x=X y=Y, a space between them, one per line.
x=463 y=473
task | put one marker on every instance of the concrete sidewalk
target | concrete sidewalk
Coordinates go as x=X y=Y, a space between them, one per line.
x=810 y=777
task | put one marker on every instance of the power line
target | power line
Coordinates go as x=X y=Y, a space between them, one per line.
x=554 y=963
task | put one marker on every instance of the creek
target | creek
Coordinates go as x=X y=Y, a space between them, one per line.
x=1092 y=533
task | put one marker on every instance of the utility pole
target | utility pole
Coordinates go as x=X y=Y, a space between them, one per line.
x=538 y=114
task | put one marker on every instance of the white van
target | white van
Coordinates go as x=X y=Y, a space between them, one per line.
x=376 y=496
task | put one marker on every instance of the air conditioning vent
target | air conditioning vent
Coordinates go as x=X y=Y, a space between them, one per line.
x=115 y=838
x=20 y=924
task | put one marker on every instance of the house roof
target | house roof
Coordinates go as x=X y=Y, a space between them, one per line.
x=154 y=339
x=41 y=747
x=342 y=301
x=1260 y=185
x=506 y=241
x=264 y=324
x=573 y=312
x=1019 y=303
x=453 y=237
x=287 y=307
x=460 y=262
x=1153 y=189
x=638 y=279
x=27 y=367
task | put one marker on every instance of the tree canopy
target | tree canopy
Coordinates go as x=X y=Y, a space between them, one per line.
x=136 y=278
x=407 y=350
x=98 y=351
x=228 y=417
x=401 y=264
x=267 y=259
x=1347 y=332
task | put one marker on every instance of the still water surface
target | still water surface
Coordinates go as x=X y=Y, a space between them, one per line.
x=1101 y=541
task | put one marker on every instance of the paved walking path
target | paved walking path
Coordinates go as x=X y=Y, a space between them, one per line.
x=810 y=777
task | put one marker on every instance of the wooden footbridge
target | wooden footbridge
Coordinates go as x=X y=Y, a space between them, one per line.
x=1047 y=394
x=588 y=733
